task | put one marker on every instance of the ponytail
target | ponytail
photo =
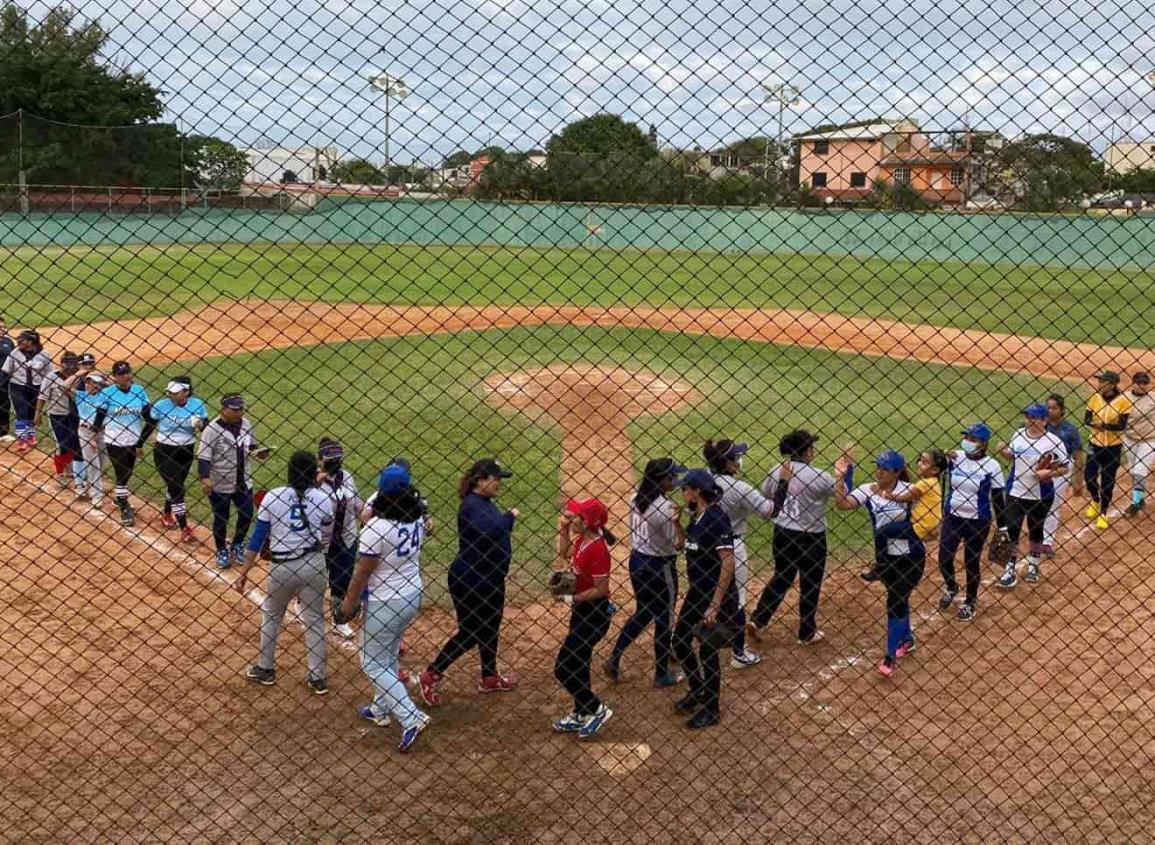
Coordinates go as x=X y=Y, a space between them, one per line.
x=610 y=537
x=649 y=491
x=465 y=486
x=302 y=473
x=717 y=462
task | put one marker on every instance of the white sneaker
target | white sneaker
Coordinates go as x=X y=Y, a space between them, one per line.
x=345 y=630
x=7 y=438
x=744 y=660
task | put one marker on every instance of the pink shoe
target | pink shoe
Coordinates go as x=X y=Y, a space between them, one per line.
x=168 y=520
x=886 y=667
x=904 y=649
x=497 y=683
x=187 y=535
x=430 y=681
x=403 y=676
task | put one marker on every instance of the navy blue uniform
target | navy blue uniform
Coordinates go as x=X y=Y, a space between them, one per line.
x=707 y=536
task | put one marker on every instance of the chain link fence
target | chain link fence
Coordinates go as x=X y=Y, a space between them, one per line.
x=808 y=342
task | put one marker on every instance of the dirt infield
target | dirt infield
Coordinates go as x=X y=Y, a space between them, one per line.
x=129 y=719
x=256 y=325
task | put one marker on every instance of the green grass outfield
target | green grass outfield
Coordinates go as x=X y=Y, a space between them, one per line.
x=57 y=286
x=420 y=397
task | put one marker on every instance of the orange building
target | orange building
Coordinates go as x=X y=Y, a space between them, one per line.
x=844 y=162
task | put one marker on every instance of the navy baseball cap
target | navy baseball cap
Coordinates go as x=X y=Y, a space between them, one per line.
x=699 y=479
x=489 y=468
x=1109 y=376
x=890 y=460
x=979 y=431
x=662 y=467
x=1036 y=410
x=70 y=359
x=392 y=480
x=122 y=368
x=731 y=450
x=88 y=360
x=233 y=401
x=331 y=451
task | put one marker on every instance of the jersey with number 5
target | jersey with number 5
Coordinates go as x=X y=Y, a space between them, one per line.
x=397 y=548
x=297 y=523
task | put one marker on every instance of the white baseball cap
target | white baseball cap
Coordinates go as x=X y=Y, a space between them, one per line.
x=176 y=387
x=96 y=377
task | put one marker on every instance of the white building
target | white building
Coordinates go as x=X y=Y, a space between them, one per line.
x=285 y=165
x=1126 y=156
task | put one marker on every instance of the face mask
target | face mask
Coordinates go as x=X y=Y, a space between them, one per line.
x=970 y=449
x=331 y=467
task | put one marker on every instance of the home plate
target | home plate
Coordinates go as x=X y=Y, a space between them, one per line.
x=618 y=758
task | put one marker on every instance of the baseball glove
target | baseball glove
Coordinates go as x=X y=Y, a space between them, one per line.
x=562 y=583
x=1000 y=548
x=340 y=618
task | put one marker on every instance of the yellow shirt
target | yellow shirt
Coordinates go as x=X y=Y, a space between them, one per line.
x=926 y=514
x=1107 y=413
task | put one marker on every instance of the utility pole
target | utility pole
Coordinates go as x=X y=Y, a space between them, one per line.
x=785 y=95
x=391 y=87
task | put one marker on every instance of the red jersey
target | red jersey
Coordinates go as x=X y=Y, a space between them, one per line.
x=591 y=559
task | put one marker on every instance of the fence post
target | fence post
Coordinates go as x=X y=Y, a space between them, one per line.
x=23 y=192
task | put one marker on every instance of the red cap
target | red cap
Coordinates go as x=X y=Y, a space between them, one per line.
x=592 y=512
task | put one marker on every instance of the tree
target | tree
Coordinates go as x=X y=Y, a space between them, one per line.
x=600 y=158
x=213 y=163
x=357 y=171
x=457 y=159
x=1047 y=172
x=1133 y=182
x=601 y=135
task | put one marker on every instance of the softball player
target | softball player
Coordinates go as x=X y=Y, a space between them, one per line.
x=590 y=612
x=341 y=553
x=176 y=418
x=26 y=366
x=87 y=396
x=740 y=501
x=1106 y=415
x=7 y=344
x=56 y=398
x=1140 y=439
x=1038 y=457
x=388 y=574
x=899 y=551
x=709 y=612
x=656 y=535
x=225 y=473
x=1068 y=432
x=975 y=496
x=297 y=521
x=120 y=417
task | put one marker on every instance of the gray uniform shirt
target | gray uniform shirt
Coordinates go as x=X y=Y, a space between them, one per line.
x=652 y=533
x=806 y=495
x=55 y=396
x=222 y=451
x=741 y=501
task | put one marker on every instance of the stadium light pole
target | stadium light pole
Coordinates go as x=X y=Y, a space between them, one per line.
x=784 y=94
x=392 y=88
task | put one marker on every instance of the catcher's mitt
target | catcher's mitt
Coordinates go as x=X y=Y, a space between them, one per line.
x=1000 y=548
x=562 y=583
x=340 y=618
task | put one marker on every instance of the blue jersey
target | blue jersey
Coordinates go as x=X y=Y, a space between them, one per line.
x=1069 y=433
x=175 y=423
x=123 y=410
x=87 y=405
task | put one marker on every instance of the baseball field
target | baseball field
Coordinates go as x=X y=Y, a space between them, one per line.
x=130 y=719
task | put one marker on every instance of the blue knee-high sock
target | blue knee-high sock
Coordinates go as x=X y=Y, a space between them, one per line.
x=894 y=635
x=907 y=633
x=1137 y=496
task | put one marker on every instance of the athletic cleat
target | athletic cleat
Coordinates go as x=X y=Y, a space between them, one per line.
x=497 y=683
x=22 y=446
x=570 y=724
x=31 y=441
x=813 y=639
x=906 y=648
x=430 y=682
x=703 y=719
x=127 y=516
x=754 y=632
x=1033 y=575
x=1008 y=579
x=1092 y=510
x=744 y=660
x=318 y=686
x=688 y=704
x=401 y=649
x=345 y=630
x=668 y=679
x=238 y=552
x=409 y=735
x=81 y=496
x=1101 y=523
x=168 y=520
x=886 y=667
x=7 y=438
x=63 y=482
x=869 y=575
x=967 y=612
x=612 y=669
x=595 y=722
x=265 y=677
x=187 y=535
x=1048 y=551
x=946 y=599
x=366 y=712
x=223 y=559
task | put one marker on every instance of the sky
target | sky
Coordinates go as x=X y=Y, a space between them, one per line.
x=514 y=72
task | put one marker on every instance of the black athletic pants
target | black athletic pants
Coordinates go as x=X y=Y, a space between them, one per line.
x=1100 y=471
x=588 y=623
x=123 y=460
x=173 y=464
x=655 y=582
x=5 y=407
x=1034 y=511
x=221 y=502
x=972 y=535
x=479 y=608
x=900 y=575
x=796 y=554
x=701 y=664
